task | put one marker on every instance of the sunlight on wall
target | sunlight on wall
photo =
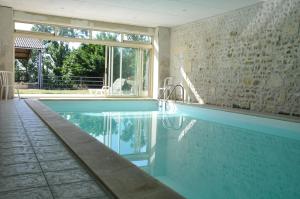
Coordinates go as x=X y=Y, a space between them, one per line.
x=191 y=86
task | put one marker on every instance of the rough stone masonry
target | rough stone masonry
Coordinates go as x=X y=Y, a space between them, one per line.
x=248 y=58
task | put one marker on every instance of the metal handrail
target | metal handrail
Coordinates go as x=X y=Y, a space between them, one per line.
x=164 y=91
x=174 y=89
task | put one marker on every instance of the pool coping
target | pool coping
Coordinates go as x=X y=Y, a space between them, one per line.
x=94 y=99
x=275 y=116
x=80 y=97
x=122 y=178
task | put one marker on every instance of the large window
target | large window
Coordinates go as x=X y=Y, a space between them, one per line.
x=124 y=58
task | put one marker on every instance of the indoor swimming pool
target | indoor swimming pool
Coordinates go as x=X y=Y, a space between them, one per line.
x=198 y=152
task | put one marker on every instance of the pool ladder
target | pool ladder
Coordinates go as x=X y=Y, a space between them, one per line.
x=172 y=89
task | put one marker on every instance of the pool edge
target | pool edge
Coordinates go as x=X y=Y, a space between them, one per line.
x=118 y=175
x=274 y=116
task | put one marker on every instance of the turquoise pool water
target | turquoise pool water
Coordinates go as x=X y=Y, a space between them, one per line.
x=200 y=153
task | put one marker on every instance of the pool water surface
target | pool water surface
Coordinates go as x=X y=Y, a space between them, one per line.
x=200 y=153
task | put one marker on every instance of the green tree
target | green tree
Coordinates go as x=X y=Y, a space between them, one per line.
x=58 y=52
x=26 y=70
x=109 y=36
x=72 y=32
x=42 y=28
x=87 y=60
x=139 y=38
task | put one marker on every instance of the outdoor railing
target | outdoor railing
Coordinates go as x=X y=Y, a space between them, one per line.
x=63 y=82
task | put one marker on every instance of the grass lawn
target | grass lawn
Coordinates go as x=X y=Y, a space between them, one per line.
x=43 y=91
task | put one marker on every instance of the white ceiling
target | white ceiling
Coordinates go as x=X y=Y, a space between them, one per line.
x=149 y=13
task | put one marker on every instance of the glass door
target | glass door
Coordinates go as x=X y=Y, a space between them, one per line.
x=127 y=74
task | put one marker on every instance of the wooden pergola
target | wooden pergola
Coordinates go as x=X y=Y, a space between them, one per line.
x=23 y=48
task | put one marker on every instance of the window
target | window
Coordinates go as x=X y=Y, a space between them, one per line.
x=73 y=32
x=106 y=36
x=137 y=38
x=82 y=33
x=34 y=27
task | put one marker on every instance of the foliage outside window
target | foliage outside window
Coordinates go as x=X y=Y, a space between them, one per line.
x=73 y=32
x=137 y=38
x=34 y=27
x=106 y=36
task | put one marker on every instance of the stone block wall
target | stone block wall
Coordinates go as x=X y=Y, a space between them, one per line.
x=248 y=58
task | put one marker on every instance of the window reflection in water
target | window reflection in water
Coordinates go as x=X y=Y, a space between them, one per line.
x=126 y=133
x=132 y=134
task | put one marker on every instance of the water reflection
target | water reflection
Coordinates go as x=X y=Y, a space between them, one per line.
x=128 y=133
x=200 y=159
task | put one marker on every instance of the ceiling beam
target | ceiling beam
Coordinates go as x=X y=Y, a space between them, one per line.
x=49 y=36
x=28 y=17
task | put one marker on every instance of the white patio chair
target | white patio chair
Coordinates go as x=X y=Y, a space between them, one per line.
x=5 y=84
x=103 y=91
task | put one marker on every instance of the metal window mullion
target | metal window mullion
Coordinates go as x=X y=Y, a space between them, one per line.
x=122 y=37
x=90 y=34
x=142 y=71
x=120 y=76
x=105 y=68
x=138 y=71
x=108 y=67
x=112 y=69
x=56 y=31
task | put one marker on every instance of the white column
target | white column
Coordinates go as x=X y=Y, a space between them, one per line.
x=7 y=42
x=161 y=63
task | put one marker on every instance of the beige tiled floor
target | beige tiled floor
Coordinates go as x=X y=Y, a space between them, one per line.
x=34 y=163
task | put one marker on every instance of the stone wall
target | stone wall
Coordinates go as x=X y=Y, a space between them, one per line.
x=248 y=58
